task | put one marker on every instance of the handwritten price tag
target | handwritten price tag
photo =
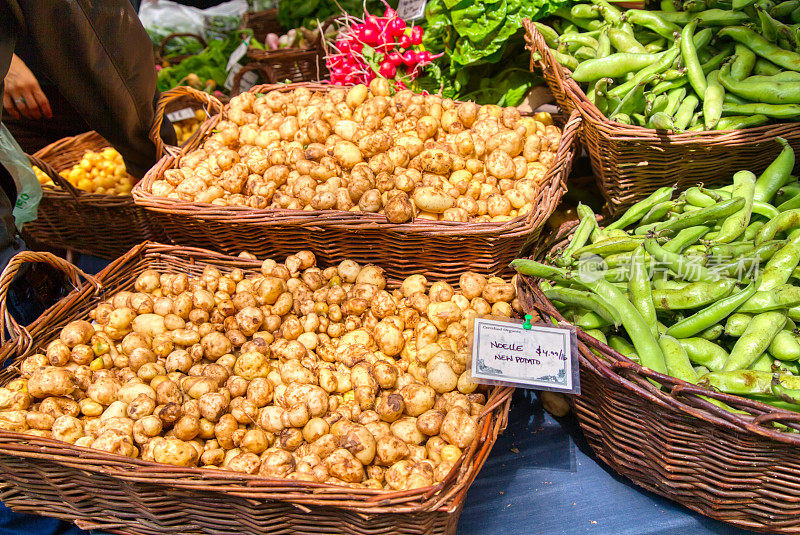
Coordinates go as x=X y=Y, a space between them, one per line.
x=411 y=9
x=180 y=115
x=527 y=356
x=248 y=80
x=237 y=54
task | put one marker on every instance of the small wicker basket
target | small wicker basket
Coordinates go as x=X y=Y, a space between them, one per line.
x=674 y=442
x=162 y=56
x=90 y=223
x=441 y=250
x=630 y=162
x=288 y=64
x=98 y=490
x=262 y=23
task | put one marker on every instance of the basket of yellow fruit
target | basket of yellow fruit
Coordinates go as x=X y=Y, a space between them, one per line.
x=86 y=201
x=186 y=115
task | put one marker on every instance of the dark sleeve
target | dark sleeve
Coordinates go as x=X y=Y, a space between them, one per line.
x=99 y=56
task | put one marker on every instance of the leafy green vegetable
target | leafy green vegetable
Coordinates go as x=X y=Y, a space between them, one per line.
x=483 y=41
x=306 y=13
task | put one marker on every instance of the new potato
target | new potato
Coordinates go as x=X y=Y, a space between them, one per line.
x=295 y=371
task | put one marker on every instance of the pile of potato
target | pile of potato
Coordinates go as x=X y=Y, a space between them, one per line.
x=360 y=149
x=97 y=172
x=313 y=374
x=187 y=127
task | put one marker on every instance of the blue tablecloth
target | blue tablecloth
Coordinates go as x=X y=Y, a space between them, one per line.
x=541 y=478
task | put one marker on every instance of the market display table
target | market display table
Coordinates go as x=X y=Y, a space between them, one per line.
x=543 y=478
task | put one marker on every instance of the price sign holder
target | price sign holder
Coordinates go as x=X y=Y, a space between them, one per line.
x=411 y=9
x=523 y=354
x=181 y=115
x=248 y=80
x=238 y=54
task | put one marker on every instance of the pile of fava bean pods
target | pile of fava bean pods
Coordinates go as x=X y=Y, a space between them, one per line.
x=703 y=286
x=713 y=65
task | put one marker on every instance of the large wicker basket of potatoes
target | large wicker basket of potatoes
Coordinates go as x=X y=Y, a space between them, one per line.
x=417 y=182
x=185 y=391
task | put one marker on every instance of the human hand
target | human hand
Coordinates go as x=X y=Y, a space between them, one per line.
x=22 y=95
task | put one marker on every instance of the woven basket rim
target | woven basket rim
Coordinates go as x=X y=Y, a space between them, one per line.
x=444 y=496
x=593 y=116
x=553 y=182
x=681 y=396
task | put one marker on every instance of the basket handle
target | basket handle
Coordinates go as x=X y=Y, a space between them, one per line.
x=262 y=67
x=568 y=142
x=170 y=37
x=209 y=102
x=23 y=337
x=62 y=182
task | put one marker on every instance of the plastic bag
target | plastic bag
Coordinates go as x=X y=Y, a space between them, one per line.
x=159 y=14
x=29 y=191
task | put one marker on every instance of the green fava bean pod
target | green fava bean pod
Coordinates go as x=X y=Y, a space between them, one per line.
x=752 y=40
x=651 y=21
x=783 y=297
x=583 y=299
x=625 y=42
x=740 y=122
x=640 y=289
x=612 y=66
x=774 y=93
x=743 y=62
x=586 y=212
x=713 y=333
x=608 y=246
x=685 y=111
x=579 y=238
x=589 y=320
x=703 y=217
x=737 y=324
x=695 y=295
x=744 y=183
x=712 y=101
x=641 y=208
x=677 y=359
x=785 y=222
x=776 y=111
x=755 y=340
x=684 y=267
x=645 y=343
x=704 y=352
x=764 y=363
x=694 y=70
x=711 y=315
x=785 y=346
x=776 y=174
x=780 y=267
x=744 y=382
x=685 y=238
x=620 y=345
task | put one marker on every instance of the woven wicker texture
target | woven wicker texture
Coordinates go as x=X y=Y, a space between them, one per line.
x=630 y=162
x=115 y=493
x=288 y=64
x=440 y=250
x=91 y=223
x=262 y=23
x=737 y=468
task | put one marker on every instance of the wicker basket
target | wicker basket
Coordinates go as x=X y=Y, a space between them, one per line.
x=630 y=162
x=441 y=250
x=262 y=23
x=91 y=223
x=288 y=64
x=731 y=467
x=98 y=490
x=161 y=55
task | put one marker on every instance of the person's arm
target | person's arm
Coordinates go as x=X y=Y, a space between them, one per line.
x=22 y=95
x=99 y=56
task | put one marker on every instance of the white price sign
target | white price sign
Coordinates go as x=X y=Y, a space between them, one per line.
x=238 y=54
x=248 y=80
x=529 y=356
x=181 y=115
x=411 y=9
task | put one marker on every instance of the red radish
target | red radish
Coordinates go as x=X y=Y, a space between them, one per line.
x=424 y=56
x=410 y=58
x=387 y=70
x=389 y=13
x=396 y=27
x=395 y=57
x=404 y=41
x=416 y=35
